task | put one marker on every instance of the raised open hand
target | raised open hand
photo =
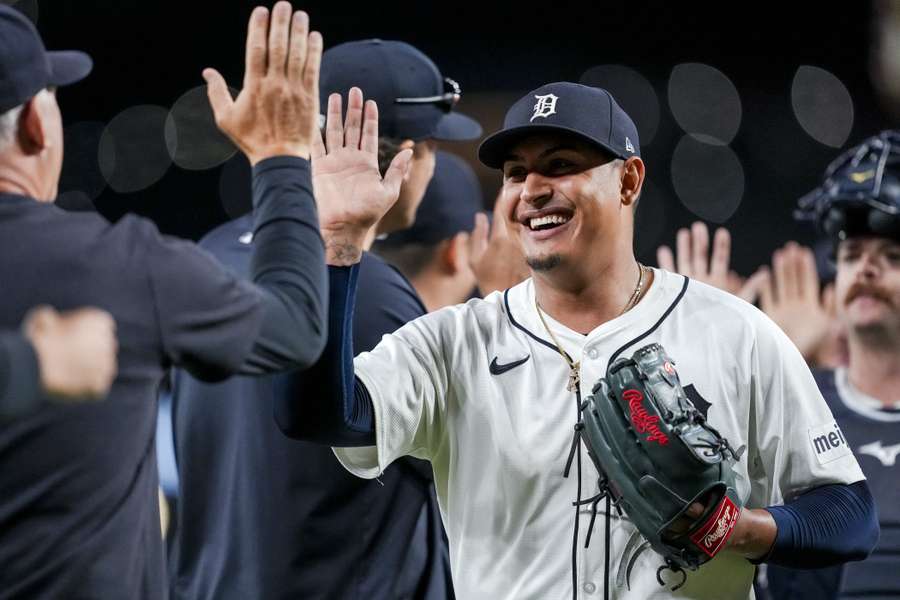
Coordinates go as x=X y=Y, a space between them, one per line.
x=790 y=295
x=350 y=192
x=694 y=260
x=495 y=258
x=277 y=111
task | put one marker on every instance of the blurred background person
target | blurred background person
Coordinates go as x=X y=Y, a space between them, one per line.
x=433 y=254
x=454 y=250
x=789 y=291
x=79 y=513
x=290 y=521
x=65 y=357
x=858 y=208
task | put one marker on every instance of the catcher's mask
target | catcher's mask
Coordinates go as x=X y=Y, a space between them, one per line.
x=861 y=192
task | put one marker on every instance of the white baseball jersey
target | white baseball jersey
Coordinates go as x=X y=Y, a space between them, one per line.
x=498 y=437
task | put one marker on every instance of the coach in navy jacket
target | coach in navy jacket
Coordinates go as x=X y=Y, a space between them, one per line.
x=78 y=505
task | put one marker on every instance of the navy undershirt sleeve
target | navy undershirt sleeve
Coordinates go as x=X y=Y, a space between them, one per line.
x=826 y=526
x=20 y=378
x=327 y=403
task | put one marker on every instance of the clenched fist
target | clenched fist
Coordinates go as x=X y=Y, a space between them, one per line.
x=76 y=351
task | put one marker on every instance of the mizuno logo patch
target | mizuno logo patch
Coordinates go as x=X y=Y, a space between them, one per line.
x=886 y=454
x=499 y=369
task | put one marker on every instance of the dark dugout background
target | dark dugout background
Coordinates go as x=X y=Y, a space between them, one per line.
x=740 y=106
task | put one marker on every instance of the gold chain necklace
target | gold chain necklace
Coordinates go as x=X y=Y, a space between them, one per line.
x=575 y=366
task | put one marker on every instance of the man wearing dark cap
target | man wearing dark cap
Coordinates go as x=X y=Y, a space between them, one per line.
x=434 y=253
x=78 y=486
x=302 y=527
x=857 y=208
x=489 y=391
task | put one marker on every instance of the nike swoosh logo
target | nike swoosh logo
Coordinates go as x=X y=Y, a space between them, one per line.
x=499 y=369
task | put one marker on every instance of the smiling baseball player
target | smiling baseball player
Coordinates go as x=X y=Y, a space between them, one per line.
x=489 y=391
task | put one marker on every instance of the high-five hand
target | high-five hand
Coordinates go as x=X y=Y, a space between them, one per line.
x=277 y=111
x=790 y=294
x=495 y=258
x=350 y=191
x=694 y=260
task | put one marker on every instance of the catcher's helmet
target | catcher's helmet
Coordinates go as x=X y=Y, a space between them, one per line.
x=861 y=191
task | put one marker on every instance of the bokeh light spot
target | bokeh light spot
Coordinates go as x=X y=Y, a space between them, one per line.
x=822 y=105
x=708 y=179
x=705 y=102
x=633 y=92
x=133 y=153
x=192 y=138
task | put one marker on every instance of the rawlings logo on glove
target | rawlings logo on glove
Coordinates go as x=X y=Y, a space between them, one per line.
x=643 y=422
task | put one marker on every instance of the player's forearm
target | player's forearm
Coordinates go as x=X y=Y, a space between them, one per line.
x=288 y=264
x=326 y=403
x=826 y=526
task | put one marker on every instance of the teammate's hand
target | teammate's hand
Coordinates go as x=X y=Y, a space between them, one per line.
x=495 y=259
x=693 y=260
x=350 y=193
x=76 y=351
x=790 y=295
x=277 y=111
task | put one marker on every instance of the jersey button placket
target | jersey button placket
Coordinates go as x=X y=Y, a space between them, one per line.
x=589 y=588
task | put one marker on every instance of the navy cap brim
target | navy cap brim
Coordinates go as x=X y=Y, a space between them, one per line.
x=455 y=126
x=68 y=66
x=495 y=148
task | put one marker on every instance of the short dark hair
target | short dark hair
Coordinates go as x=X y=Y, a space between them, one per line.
x=388 y=148
x=411 y=259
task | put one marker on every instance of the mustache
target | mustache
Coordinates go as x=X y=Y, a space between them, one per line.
x=865 y=289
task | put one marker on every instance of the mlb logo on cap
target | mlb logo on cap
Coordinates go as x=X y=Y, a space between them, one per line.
x=589 y=113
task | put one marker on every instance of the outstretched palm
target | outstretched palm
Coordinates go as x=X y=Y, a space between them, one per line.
x=350 y=191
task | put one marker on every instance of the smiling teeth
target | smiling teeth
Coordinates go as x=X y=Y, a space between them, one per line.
x=548 y=220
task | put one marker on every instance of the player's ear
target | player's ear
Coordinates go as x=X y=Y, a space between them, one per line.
x=31 y=131
x=632 y=180
x=455 y=253
x=406 y=145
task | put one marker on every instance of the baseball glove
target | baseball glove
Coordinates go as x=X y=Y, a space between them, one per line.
x=657 y=455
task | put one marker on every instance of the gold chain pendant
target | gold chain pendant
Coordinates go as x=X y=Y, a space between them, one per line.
x=573 y=378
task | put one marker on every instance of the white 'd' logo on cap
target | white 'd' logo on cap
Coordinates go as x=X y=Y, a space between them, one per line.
x=628 y=145
x=545 y=106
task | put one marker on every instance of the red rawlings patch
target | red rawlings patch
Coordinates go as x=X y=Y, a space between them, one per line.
x=713 y=534
x=643 y=421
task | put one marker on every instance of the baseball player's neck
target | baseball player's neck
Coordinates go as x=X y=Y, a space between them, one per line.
x=583 y=301
x=875 y=369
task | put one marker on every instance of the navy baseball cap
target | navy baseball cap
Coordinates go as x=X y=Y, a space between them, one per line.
x=414 y=100
x=451 y=201
x=25 y=65
x=589 y=113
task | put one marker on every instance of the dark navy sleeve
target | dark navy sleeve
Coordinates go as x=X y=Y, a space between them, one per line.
x=214 y=324
x=387 y=302
x=826 y=526
x=20 y=377
x=327 y=403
